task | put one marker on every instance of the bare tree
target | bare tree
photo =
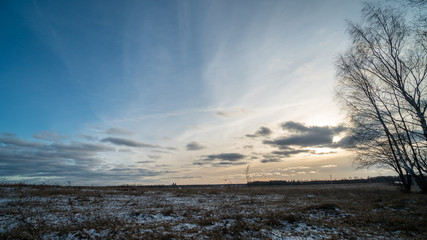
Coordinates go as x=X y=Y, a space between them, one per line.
x=382 y=85
x=417 y=2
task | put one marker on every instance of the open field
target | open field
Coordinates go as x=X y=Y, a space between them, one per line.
x=352 y=211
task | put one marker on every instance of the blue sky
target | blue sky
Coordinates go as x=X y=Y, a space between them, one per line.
x=97 y=92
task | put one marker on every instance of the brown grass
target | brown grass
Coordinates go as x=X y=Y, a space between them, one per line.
x=362 y=211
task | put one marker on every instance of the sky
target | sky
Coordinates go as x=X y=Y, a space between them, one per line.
x=156 y=92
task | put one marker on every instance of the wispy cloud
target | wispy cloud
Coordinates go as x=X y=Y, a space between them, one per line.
x=329 y=166
x=186 y=177
x=234 y=72
x=128 y=142
x=49 y=136
x=232 y=113
x=118 y=131
x=145 y=162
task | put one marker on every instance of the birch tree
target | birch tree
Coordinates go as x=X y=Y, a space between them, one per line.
x=382 y=85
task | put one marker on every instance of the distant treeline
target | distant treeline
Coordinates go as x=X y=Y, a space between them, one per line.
x=380 y=179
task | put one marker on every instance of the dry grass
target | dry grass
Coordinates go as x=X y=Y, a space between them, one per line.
x=364 y=211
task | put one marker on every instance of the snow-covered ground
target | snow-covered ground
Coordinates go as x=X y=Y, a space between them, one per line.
x=43 y=212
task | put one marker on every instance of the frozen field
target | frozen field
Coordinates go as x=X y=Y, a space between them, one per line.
x=368 y=211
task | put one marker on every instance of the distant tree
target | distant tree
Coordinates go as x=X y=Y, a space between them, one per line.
x=382 y=83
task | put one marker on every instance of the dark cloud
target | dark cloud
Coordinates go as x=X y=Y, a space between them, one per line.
x=154 y=157
x=264 y=131
x=13 y=141
x=128 y=142
x=302 y=128
x=49 y=136
x=294 y=126
x=345 y=142
x=232 y=157
x=289 y=153
x=261 y=132
x=145 y=162
x=73 y=153
x=118 y=131
x=306 y=136
x=78 y=146
x=300 y=140
x=79 y=162
x=193 y=146
x=222 y=159
x=270 y=160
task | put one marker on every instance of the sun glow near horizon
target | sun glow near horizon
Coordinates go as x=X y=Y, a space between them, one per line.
x=158 y=92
